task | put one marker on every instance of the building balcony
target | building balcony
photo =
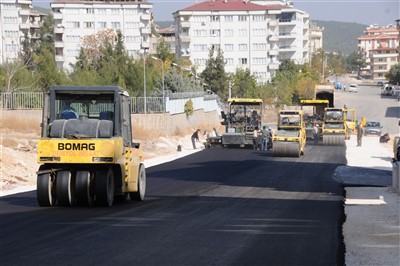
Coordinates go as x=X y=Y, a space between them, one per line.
x=24 y=12
x=379 y=63
x=284 y=35
x=287 y=48
x=287 y=22
x=185 y=24
x=58 y=15
x=273 y=38
x=145 y=45
x=273 y=23
x=145 y=17
x=24 y=26
x=380 y=70
x=59 y=30
x=273 y=52
x=145 y=30
x=59 y=58
x=146 y=6
x=59 y=44
x=273 y=66
x=184 y=38
x=26 y=2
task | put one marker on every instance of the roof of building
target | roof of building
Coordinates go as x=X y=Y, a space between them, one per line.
x=231 y=5
x=378 y=37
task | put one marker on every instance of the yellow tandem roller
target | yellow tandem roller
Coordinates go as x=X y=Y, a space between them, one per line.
x=334 y=128
x=290 y=138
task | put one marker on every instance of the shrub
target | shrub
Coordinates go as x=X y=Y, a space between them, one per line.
x=189 y=107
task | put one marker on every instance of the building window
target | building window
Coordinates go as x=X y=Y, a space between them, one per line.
x=89 y=11
x=242 y=18
x=131 y=11
x=199 y=18
x=72 y=52
x=229 y=61
x=101 y=24
x=200 y=47
x=10 y=20
x=72 y=38
x=115 y=25
x=228 y=47
x=214 y=18
x=242 y=33
x=259 y=46
x=11 y=33
x=216 y=47
x=132 y=39
x=101 y=11
x=9 y=6
x=259 y=32
x=72 y=24
x=228 y=18
x=258 y=18
x=10 y=48
x=88 y=24
x=214 y=33
x=132 y=25
x=242 y=47
x=115 y=11
x=242 y=61
x=200 y=33
x=259 y=60
x=260 y=74
x=228 y=33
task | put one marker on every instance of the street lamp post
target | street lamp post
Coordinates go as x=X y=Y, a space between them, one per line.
x=144 y=80
x=163 y=87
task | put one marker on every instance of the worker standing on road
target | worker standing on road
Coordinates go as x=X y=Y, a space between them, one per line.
x=265 y=134
x=360 y=133
x=195 y=137
x=255 y=139
x=315 y=133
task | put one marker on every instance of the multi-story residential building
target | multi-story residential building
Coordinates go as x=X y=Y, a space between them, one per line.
x=73 y=20
x=168 y=34
x=316 y=38
x=17 y=21
x=380 y=47
x=255 y=35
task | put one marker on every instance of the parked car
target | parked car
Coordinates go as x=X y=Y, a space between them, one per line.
x=353 y=88
x=379 y=83
x=373 y=128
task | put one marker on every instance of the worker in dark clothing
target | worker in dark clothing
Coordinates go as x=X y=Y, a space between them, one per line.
x=195 y=137
x=360 y=132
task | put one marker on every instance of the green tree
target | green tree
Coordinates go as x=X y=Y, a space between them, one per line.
x=393 y=76
x=214 y=73
x=356 y=61
x=163 y=51
x=245 y=84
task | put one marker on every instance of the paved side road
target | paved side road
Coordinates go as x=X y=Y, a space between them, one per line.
x=371 y=230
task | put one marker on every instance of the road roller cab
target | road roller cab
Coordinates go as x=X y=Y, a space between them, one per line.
x=86 y=153
x=290 y=137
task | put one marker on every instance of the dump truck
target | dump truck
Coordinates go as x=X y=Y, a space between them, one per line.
x=289 y=139
x=244 y=115
x=325 y=92
x=334 y=128
x=86 y=153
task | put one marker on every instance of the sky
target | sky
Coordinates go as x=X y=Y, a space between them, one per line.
x=368 y=12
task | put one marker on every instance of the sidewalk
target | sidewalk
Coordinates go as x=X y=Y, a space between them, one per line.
x=371 y=230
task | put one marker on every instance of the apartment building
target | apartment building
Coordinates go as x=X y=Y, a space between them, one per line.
x=380 y=47
x=316 y=38
x=17 y=20
x=73 y=20
x=255 y=35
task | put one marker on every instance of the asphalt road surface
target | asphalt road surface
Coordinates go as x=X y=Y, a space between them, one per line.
x=215 y=207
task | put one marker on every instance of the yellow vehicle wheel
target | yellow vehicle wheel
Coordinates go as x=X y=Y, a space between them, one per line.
x=141 y=185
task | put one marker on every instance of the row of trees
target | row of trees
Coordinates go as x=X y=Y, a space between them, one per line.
x=103 y=60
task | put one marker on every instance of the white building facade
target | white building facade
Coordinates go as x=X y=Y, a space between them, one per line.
x=73 y=20
x=246 y=33
x=17 y=20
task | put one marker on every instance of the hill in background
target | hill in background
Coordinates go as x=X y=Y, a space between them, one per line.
x=340 y=36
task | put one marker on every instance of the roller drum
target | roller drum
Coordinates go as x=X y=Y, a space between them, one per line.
x=333 y=140
x=286 y=149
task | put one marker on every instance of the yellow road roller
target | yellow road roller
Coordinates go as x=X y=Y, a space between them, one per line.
x=334 y=127
x=289 y=139
x=86 y=153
